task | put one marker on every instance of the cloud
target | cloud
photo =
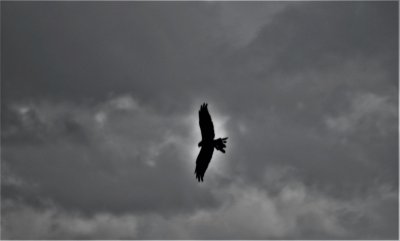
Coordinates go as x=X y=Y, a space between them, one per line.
x=51 y=223
x=131 y=146
x=99 y=120
x=305 y=65
x=241 y=22
x=114 y=166
x=249 y=213
x=368 y=111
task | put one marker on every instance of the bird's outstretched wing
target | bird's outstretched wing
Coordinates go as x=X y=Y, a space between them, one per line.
x=206 y=124
x=203 y=159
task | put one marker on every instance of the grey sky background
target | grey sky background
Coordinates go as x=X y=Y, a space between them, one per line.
x=99 y=120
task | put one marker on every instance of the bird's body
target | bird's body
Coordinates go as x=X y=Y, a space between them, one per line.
x=208 y=143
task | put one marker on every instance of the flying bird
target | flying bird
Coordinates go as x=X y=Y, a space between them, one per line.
x=207 y=143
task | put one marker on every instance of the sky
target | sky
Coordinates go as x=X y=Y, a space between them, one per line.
x=99 y=120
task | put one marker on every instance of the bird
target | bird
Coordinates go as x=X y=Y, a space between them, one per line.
x=208 y=143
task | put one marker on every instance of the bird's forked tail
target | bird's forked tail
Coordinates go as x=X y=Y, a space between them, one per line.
x=219 y=144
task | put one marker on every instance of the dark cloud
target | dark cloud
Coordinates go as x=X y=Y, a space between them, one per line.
x=100 y=131
x=310 y=63
x=133 y=160
x=140 y=48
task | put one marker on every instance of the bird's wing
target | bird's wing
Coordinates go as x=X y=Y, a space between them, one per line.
x=203 y=159
x=206 y=124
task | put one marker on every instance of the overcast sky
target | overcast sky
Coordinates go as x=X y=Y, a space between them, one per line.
x=99 y=120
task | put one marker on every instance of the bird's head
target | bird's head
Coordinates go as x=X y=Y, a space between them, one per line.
x=200 y=143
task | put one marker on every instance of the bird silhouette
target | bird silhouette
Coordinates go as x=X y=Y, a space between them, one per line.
x=207 y=143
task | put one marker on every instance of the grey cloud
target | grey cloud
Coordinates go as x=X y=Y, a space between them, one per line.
x=367 y=111
x=145 y=49
x=312 y=61
x=241 y=22
x=318 y=38
x=51 y=223
x=99 y=119
x=296 y=211
x=132 y=161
